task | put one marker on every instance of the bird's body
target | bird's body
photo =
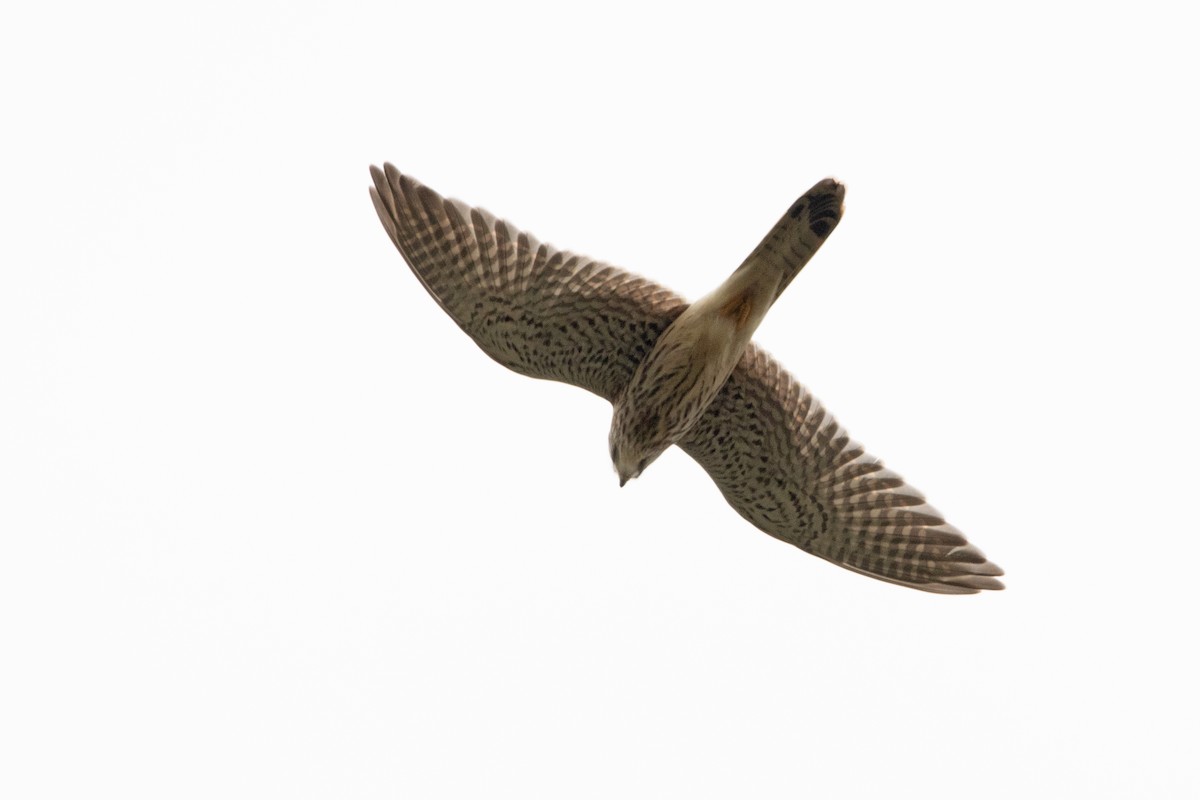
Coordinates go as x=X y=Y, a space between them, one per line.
x=686 y=375
x=694 y=357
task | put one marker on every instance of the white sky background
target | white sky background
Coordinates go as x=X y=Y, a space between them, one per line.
x=272 y=526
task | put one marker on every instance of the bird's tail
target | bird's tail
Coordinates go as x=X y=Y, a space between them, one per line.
x=800 y=232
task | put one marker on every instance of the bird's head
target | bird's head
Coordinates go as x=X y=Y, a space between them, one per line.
x=634 y=447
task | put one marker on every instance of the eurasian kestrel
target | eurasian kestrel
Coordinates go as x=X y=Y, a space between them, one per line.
x=687 y=375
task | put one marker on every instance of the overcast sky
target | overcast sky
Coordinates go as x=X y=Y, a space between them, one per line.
x=272 y=526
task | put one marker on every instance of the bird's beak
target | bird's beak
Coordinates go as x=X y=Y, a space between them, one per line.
x=624 y=479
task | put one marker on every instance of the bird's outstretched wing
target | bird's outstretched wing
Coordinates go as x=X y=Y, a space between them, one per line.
x=541 y=312
x=785 y=464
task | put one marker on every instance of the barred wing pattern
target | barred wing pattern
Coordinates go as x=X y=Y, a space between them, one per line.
x=536 y=310
x=780 y=460
x=785 y=465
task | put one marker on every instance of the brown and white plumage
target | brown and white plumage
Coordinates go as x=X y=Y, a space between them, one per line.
x=778 y=458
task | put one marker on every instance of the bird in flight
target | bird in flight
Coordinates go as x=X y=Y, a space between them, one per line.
x=686 y=375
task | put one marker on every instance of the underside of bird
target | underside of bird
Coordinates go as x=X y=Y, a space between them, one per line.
x=779 y=459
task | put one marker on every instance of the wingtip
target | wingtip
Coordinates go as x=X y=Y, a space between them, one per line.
x=976 y=576
x=964 y=582
x=975 y=584
x=974 y=572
